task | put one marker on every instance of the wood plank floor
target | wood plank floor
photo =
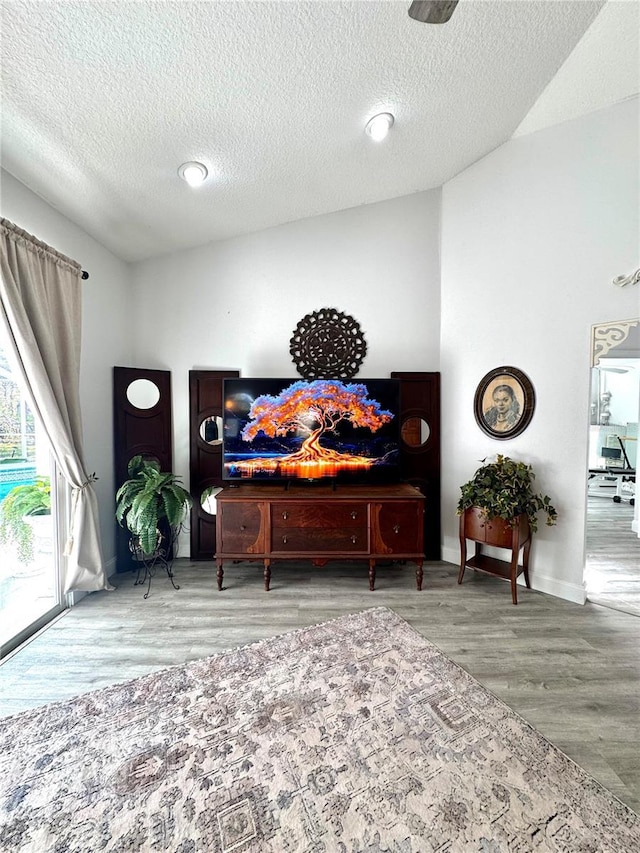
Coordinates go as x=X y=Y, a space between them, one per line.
x=573 y=672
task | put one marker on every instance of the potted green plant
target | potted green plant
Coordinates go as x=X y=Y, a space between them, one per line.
x=22 y=504
x=504 y=489
x=151 y=505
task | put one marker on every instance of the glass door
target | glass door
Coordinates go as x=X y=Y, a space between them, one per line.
x=30 y=593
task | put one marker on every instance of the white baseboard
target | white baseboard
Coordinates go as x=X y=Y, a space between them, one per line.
x=451 y=555
x=541 y=583
x=551 y=586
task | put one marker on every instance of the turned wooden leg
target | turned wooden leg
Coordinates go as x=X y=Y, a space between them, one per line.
x=419 y=575
x=267 y=575
x=220 y=574
x=372 y=575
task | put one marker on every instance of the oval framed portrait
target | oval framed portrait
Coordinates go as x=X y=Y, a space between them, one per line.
x=504 y=402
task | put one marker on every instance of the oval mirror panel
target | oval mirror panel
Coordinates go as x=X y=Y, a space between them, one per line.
x=208 y=499
x=415 y=432
x=143 y=393
x=211 y=430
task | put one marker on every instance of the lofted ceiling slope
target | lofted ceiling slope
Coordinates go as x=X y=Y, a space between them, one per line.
x=102 y=101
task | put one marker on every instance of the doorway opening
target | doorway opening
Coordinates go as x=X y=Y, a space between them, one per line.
x=612 y=564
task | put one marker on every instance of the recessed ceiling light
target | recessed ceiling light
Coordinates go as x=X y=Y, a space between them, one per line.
x=193 y=173
x=378 y=126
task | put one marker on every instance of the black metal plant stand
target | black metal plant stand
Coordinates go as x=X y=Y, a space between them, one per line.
x=148 y=564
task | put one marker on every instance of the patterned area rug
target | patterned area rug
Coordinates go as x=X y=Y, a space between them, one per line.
x=353 y=735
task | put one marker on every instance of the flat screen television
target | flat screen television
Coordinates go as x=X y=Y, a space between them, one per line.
x=311 y=430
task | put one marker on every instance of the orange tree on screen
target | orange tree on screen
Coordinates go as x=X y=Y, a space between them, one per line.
x=313 y=409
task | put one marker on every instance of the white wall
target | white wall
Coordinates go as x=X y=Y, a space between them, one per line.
x=236 y=304
x=532 y=236
x=106 y=333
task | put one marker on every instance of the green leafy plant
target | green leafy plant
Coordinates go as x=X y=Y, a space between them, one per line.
x=504 y=489
x=22 y=502
x=151 y=503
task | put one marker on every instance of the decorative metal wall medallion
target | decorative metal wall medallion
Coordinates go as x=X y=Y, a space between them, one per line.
x=328 y=344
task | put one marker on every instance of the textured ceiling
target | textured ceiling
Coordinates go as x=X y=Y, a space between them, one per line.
x=103 y=101
x=603 y=69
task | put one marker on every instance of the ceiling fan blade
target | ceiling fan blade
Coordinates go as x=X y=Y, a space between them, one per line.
x=432 y=11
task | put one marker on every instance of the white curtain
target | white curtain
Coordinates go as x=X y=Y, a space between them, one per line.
x=40 y=292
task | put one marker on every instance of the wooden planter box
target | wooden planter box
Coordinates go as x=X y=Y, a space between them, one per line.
x=499 y=534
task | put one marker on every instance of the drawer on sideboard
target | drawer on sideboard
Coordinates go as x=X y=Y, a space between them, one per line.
x=318 y=514
x=240 y=528
x=319 y=540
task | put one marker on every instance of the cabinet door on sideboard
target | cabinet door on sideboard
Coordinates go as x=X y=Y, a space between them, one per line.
x=399 y=527
x=242 y=527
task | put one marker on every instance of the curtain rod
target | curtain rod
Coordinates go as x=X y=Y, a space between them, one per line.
x=16 y=233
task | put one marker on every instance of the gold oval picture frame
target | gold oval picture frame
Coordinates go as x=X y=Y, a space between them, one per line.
x=504 y=402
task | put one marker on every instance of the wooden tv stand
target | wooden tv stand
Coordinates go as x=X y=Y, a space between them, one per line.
x=320 y=523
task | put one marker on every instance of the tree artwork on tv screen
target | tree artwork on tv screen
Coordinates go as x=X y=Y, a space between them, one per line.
x=307 y=430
